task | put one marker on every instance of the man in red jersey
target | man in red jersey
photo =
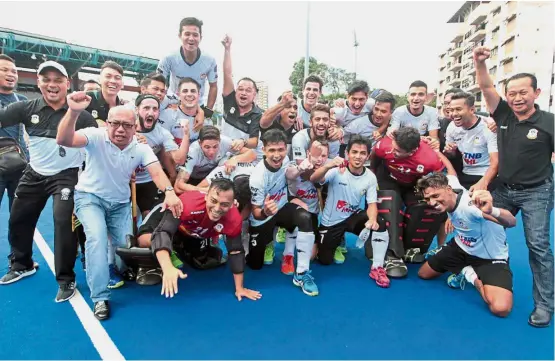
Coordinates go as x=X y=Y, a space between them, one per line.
x=205 y=216
x=398 y=162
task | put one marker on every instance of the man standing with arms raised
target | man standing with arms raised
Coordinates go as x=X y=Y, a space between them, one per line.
x=102 y=194
x=525 y=140
x=190 y=62
x=52 y=171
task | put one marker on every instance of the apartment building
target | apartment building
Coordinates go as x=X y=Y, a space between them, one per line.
x=262 y=96
x=521 y=37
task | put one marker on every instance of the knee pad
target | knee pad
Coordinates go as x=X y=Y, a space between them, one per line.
x=390 y=211
x=137 y=257
x=421 y=226
x=237 y=262
x=303 y=219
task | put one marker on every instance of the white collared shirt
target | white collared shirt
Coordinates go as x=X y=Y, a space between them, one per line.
x=108 y=169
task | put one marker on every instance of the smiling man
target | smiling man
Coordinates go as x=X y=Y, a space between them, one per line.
x=479 y=248
x=52 y=172
x=526 y=143
x=312 y=91
x=111 y=82
x=270 y=208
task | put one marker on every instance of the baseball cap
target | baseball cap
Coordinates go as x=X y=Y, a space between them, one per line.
x=52 y=65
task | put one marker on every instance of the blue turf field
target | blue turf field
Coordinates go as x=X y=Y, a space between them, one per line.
x=351 y=319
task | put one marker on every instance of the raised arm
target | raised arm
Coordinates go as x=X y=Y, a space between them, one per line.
x=77 y=102
x=228 y=73
x=480 y=55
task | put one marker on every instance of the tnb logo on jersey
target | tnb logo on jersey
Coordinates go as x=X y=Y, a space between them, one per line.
x=345 y=207
x=278 y=196
x=471 y=158
x=140 y=169
x=467 y=241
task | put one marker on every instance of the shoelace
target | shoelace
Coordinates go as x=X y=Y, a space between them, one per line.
x=308 y=279
x=102 y=306
x=69 y=286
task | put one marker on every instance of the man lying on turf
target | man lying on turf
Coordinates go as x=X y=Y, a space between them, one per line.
x=479 y=249
x=205 y=216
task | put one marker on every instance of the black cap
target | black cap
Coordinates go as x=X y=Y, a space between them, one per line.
x=142 y=97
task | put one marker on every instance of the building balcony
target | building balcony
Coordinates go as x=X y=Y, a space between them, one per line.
x=478 y=35
x=508 y=56
x=456 y=52
x=480 y=17
x=473 y=87
x=471 y=70
x=455 y=82
x=458 y=37
x=455 y=67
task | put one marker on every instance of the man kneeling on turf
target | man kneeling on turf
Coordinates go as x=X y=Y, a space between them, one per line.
x=479 y=250
x=205 y=215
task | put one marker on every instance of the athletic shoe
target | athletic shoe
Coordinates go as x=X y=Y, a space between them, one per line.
x=343 y=245
x=456 y=281
x=395 y=267
x=287 y=266
x=102 y=310
x=306 y=282
x=115 y=279
x=176 y=262
x=65 y=292
x=338 y=257
x=380 y=276
x=269 y=254
x=280 y=235
x=431 y=252
x=14 y=276
x=413 y=255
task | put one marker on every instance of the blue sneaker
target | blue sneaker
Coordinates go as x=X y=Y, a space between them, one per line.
x=115 y=279
x=306 y=282
x=456 y=281
x=432 y=252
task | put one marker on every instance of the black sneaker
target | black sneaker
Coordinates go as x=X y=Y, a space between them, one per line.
x=102 y=310
x=395 y=267
x=14 y=276
x=413 y=255
x=149 y=277
x=65 y=292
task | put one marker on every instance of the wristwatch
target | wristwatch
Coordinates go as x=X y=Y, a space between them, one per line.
x=168 y=188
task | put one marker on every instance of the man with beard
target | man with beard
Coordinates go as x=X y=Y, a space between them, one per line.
x=342 y=212
x=241 y=115
x=398 y=162
x=525 y=142
x=270 y=208
x=281 y=116
x=102 y=193
x=312 y=90
x=111 y=82
x=416 y=114
x=52 y=172
x=302 y=189
x=189 y=62
x=373 y=125
x=205 y=154
x=148 y=194
x=479 y=248
x=470 y=135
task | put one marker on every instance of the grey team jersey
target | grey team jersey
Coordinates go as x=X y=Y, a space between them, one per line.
x=428 y=120
x=475 y=145
x=156 y=138
x=198 y=166
x=301 y=140
x=473 y=233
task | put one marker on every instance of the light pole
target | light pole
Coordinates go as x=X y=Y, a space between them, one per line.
x=356 y=44
x=307 y=53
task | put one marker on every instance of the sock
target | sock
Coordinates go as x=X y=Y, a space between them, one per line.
x=380 y=241
x=305 y=241
x=245 y=236
x=290 y=240
x=469 y=274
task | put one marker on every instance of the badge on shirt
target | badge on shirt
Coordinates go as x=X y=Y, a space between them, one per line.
x=532 y=134
x=219 y=227
x=62 y=151
x=94 y=113
x=420 y=168
x=232 y=110
x=477 y=140
x=35 y=119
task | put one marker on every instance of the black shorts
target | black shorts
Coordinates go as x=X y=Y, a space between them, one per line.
x=467 y=181
x=148 y=196
x=451 y=258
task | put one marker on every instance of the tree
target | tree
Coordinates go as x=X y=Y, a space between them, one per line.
x=297 y=76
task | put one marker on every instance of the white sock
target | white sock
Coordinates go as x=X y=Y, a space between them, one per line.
x=290 y=241
x=380 y=241
x=469 y=274
x=245 y=236
x=305 y=241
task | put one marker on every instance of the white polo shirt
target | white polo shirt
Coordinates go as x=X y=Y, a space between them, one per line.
x=109 y=169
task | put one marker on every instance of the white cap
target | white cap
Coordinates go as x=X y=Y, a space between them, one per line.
x=52 y=64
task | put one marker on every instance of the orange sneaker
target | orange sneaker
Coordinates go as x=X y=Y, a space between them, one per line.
x=287 y=266
x=380 y=276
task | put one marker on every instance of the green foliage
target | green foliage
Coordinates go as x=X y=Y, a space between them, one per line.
x=297 y=76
